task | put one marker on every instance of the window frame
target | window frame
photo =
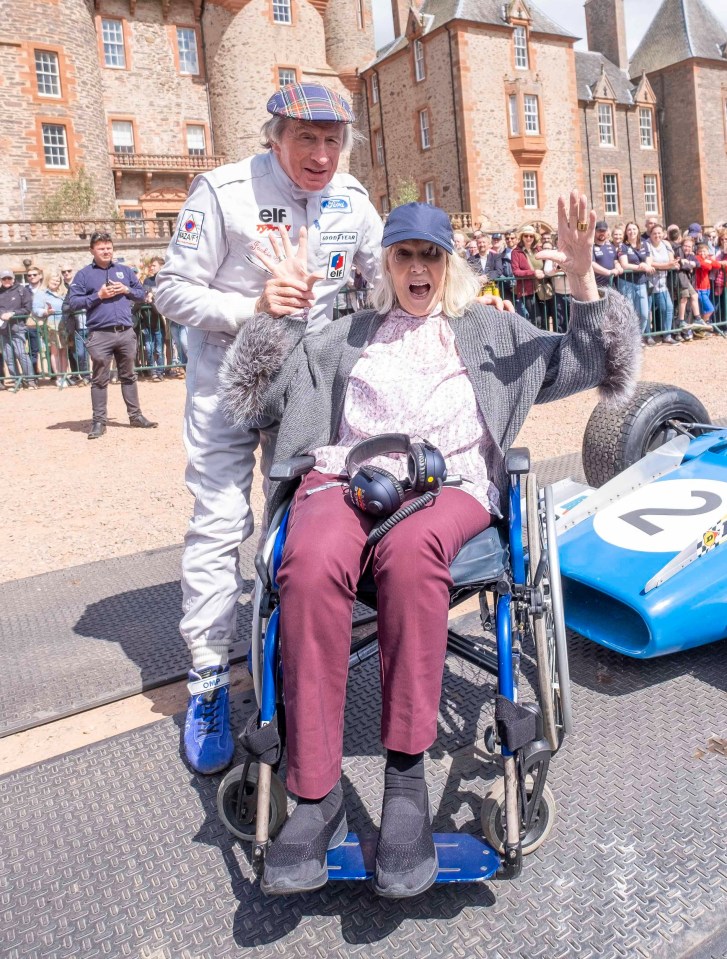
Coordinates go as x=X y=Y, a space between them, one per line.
x=606 y=210
x=58 y=76
x=379 y=148
x=536 y=190
x=513 y=116
x=53 y=167
x=430 y=195
x=602 y=105
x=290 y=69
x=646 y=111
x=655 y=178
x=385 y=205
x=131 y=124
x=374 y=88
x=196 y=126
x=280 y=4
x=198 y=61
x=521 y=31
x=425 y=129
x=526 y=116
x=124 y=44
x=420 y=68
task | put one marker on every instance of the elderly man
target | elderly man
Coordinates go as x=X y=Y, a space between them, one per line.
x=226 y=262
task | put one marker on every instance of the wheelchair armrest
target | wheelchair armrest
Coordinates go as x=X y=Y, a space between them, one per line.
x=292 y=468
x=517 y=461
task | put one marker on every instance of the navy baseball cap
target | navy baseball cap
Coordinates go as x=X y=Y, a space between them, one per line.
x=418 y=221
x=496 y=236
x=694 y=229
x=602 y=225
x=310 y=101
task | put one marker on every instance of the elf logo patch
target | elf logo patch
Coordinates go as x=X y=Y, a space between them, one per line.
x=336 y=266
x=190 y=229
x=273 y=217
x=335 y=204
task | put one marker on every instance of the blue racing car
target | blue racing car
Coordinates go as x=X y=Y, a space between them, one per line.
x=642 y=554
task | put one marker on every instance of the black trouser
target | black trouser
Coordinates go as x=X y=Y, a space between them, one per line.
x=103 y=347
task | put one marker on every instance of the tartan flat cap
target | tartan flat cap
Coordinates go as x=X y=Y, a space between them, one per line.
x=310 y=101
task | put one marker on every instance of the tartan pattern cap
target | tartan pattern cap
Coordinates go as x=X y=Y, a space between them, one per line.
x=310 y=101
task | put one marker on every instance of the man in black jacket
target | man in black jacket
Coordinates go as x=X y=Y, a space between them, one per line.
x=15 y=306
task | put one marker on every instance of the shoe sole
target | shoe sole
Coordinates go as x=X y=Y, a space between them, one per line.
x=400 y=892
x=311 y=885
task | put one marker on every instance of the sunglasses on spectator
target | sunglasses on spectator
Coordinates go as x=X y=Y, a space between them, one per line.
x=67 y=271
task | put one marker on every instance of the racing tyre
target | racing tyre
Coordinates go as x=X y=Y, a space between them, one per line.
x=492 y=817
x=227 y=803
x=551 y=648
x=616 y=437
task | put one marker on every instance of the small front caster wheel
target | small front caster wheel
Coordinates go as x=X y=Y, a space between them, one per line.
x=490 y=740
x=240 y=819
x=493 y=817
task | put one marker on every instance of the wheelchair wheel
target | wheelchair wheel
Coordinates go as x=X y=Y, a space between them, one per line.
x=227 y=803
x=551 y=649
x=493 y=820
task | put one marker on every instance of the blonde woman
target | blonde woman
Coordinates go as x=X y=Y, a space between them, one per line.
x=427 y=361
x=53 y=314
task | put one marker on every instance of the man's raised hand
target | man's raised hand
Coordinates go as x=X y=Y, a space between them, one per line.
x=290 y=287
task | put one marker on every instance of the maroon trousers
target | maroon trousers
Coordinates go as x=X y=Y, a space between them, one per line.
x=325 y=555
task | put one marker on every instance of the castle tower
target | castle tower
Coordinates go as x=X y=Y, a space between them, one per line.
x=55 y=123
x=606 y=30
x=349 y=30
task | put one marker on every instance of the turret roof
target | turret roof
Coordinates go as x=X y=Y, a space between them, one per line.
x=680 y=30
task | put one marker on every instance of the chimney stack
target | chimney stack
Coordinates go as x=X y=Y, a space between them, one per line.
x=606 y=30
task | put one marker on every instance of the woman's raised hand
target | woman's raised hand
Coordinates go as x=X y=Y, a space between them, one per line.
x=576 y=231
x=290 y=287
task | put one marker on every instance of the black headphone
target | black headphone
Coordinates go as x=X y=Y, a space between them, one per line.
x=378 y=492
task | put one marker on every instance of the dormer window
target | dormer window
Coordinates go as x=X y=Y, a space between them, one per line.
x=605 y=125
x=419 y=69
x=520 y=40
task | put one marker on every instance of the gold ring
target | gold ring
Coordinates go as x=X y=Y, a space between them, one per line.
x=582 y=226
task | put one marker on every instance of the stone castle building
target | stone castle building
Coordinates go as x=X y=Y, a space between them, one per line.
x=483 y=104
x=146 y=93
x=487 y=108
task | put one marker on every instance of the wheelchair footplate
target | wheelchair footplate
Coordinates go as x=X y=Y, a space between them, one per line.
x=462 y=858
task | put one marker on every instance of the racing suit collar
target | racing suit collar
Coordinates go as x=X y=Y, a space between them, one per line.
x=287 y=185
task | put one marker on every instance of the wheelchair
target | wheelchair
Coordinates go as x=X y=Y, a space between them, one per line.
x=517 y=587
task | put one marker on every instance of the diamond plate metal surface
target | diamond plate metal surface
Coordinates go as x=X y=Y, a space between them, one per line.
x=116 y=850
x=96 y=633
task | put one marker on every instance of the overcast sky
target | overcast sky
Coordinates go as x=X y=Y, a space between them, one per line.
x=568 y=13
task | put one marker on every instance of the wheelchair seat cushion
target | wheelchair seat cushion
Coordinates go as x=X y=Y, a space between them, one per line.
x=481 y=560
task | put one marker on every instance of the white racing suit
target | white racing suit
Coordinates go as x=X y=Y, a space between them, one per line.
x=210 y=283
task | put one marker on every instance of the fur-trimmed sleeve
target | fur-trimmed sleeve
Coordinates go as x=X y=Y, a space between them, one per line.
x=258 y=367
x=622 y=342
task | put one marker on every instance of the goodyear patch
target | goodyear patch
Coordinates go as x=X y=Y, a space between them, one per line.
x=338 y=238
x=336 y=265
x=336 y=204
x=189 y=231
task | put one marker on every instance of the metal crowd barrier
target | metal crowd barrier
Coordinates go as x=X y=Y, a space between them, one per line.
x=552 y=312
x=53 y=347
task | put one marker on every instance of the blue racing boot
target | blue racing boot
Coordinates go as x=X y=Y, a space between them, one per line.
x=208 y=739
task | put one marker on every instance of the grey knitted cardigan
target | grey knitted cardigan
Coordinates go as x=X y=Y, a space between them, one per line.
x=272 y=369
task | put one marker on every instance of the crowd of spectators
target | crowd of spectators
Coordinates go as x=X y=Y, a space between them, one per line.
x=675 y=278
x=43 y=340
